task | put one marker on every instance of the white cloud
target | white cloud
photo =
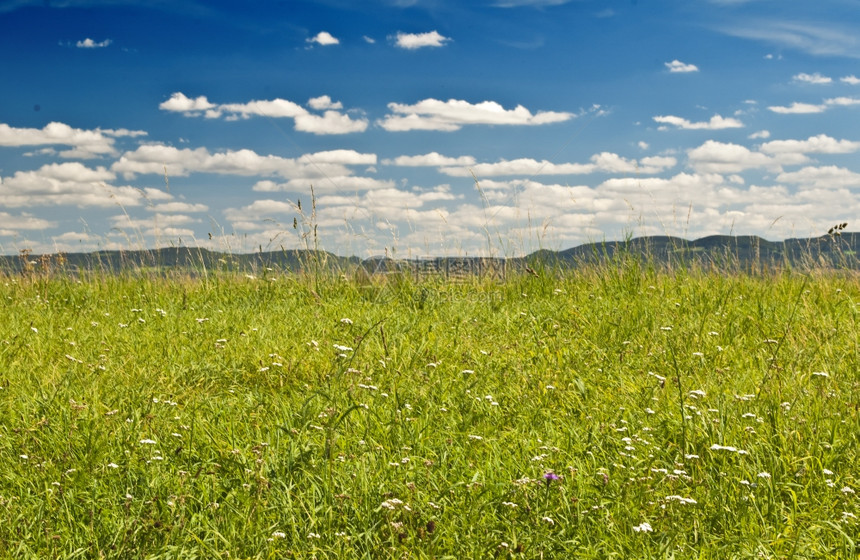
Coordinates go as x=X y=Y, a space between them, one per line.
x=12 y=223
x=271 y=216
x=433 y=114
x=613 y=163
x=66 y=184
x=324 y=102
x=330 y=122
x=523 y=166
x=368 y=40
x=821 y=144
x=842 y=101
x=433 y=159
x=412 y=41
x=90 y=44
x=122 y=132
x=852 y=79
x=656 y=164
x=180 y=103
x=324 y=38
x=798 y=108
x=154 y=159
x=277 y=108
x=605 y=161
x=153 y=221
x=345 y=157
x=719 y=157
x=643 y=145
x=84 y=143
x=761 y=134
x=815 y=78
x=177 y=206
x=327 y=171
x=828 y=177
x=676 y=66
x=327 y=184
x=717 y=122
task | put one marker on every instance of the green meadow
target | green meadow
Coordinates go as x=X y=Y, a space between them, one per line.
x=617 y=411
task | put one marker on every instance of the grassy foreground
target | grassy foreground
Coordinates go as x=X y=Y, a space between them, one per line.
x=611 y=413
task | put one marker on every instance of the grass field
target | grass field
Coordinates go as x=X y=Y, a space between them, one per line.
x=615 y=412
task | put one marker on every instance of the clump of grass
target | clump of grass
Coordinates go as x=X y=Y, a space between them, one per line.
x=619 y=411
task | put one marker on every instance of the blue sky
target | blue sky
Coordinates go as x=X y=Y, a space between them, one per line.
x=424 y=127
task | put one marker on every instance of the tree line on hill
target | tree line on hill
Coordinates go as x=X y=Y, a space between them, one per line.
x=836 y=250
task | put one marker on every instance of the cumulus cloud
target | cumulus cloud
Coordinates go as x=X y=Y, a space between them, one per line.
x=83 y=143
x=159 y=159
x=815 y=78
x=827 y=177
x=177 y=206
x=798 y=108
x=841 y=101
x=160 y=220
x=326 y=171
x=24 y=221
x=324 y=38
x=676 y=66
x=521 y=166
x=179 y=102
x=90 y=44
x=605 y=161
x=412 y=41
x=433 y=159
x=66 y=184
x=852 y=80
x=324 y=102
x=451 y=115
x=717 y=122
x=331 y=121
x=277 y=108
x=326 y=184
x=719 y=157
x=761 y=134
x=821 y=144
x=345 y=157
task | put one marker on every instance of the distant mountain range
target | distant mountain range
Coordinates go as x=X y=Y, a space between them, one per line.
x=837 y=250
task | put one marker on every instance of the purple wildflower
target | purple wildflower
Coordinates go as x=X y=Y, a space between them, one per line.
x=549 y=476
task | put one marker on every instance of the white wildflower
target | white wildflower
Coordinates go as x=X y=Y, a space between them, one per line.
x=644 y=527
x=681 y=499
